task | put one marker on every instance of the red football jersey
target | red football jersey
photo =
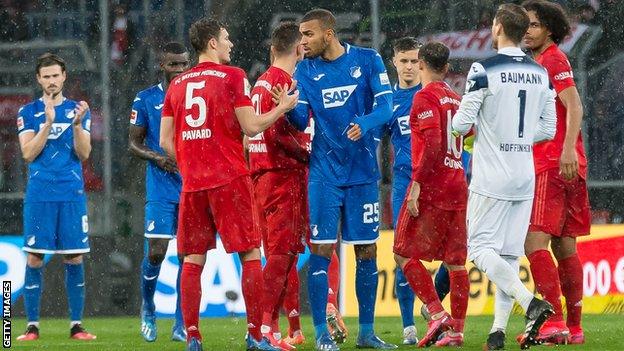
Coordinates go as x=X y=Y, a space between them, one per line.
x=548 y=153
x=208 y=138
x=281 y=146
x=439 y=171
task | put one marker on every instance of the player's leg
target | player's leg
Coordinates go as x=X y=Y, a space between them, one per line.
x=150 y=269
x=325 y=201
x=178 y=332
x=578 y=223
x=404 y=293
x=73 y=238
x=335 y=323
x=503 y=305
x=442 y=282
x=333 y=275
x=293 y=310
x=495 y=228
x=195 y=236
x=40 y=223
x=361 y=228
x=546 y=223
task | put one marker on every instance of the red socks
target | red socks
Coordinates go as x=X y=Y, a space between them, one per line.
x=571 y=274
x=190 y=290
x=420 y=280
x=275 y=274
x=334 y=279
x=291 y=299
x=252 y=284
x=460 y=288
x=546 y=279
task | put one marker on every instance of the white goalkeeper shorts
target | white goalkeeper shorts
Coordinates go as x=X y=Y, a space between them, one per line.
x=500 y=225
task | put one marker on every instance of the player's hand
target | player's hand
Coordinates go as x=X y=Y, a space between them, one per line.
x=355 y=132
x=81 y=109
x=288 y=98
x=50 y=114
x=167 y=163
x=277 y=91
x=568 y=164
x=412 y=199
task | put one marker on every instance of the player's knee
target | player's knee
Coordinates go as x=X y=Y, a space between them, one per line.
x=325 y=250
x=34 y=260
x=72 y=259
x=366 y=252
x=535 y=242
x=156 y=258
x=563 y=247
x=400 y=260
x=250 y=255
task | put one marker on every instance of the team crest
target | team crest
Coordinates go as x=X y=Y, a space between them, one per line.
x=133 y=117
x=356 y=72
x=70 y=113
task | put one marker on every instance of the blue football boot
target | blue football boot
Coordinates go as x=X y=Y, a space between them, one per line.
x=372 y=341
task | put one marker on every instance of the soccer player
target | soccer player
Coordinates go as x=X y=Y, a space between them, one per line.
x=348 y=92
x=509 y=102
x=54 y=136
x=203 y=115
x=162 y=186
x=278 y=160
x=561 y=211
x=405 y=61
x=432 y=220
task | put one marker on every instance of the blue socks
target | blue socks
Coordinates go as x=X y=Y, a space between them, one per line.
x=75 y=288
x=442 y=282
x=318 y=286
x=149 y=278
x=366 y=279
x=405 y=295
x=33 y=284
x=179 y=320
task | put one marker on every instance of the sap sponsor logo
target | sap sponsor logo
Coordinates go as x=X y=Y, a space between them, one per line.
x=356 y=72
x=56 y=130
x=425 y=115
x=383 y=78
x=336 y=97
x=221 y=277
x=564 y=75
x=404 y=125
x=133 y=117
x=196 y=134
x=20 y=123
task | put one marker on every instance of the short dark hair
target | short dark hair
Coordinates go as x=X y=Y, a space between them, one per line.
x=174 y=47
x=49 y=59
x=406 y=44
x=285 y=36
x=552 y=16
x=435 y=55
x=202 y=31
x=514 y=20
x=325 y=17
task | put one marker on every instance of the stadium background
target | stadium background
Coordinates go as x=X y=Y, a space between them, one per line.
x=109 y=47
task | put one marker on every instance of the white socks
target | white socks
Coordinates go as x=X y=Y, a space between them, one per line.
x=503 y=275
x=503 y=303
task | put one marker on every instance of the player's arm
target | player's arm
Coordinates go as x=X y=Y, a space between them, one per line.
x=82 y=136
x=476 y=89
x=252 y=124
x=136 y=140
x=32 y=144
x=167 y=128
x=568 y=163
x=382 y=110
x=547 y=123
x=299 y=116
x=425 y=126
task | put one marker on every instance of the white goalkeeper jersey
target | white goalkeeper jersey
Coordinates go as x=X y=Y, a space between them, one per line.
x=511 y=105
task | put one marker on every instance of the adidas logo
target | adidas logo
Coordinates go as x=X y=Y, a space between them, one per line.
x=293 y=313
x=250 y=325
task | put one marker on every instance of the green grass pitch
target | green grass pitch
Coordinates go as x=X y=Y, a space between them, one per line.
x=602 y=332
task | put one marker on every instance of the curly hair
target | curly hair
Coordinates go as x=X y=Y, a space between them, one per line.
x=552 y=16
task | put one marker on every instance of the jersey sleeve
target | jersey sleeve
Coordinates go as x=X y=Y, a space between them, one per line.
x=476 y=89
x=380 y=83
x=86 y=121
x=299 y=116
x=167 y=110
x=424 y=114
x=138 y=116
x=25 y=120
x=240 y=89
x=559 y=72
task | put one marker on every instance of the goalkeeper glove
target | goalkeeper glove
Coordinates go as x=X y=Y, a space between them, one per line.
x=469 y=143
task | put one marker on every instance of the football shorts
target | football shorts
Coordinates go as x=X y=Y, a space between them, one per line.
x=161 y=219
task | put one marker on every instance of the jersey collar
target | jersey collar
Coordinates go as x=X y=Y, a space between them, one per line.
x=511 y=51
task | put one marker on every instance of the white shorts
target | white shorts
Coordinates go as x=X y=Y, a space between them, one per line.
x=500 y=225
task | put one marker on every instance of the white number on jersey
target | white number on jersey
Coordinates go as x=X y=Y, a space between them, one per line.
x=195 y=100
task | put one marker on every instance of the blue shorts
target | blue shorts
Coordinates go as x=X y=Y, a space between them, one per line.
x=56 y=227
x=161 y=219
x=400 y=183
x=357 y=206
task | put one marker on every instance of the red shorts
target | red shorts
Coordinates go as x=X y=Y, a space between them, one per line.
x=435 y=234
x=282 y=198
x=560 y=207
x=229 y=210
